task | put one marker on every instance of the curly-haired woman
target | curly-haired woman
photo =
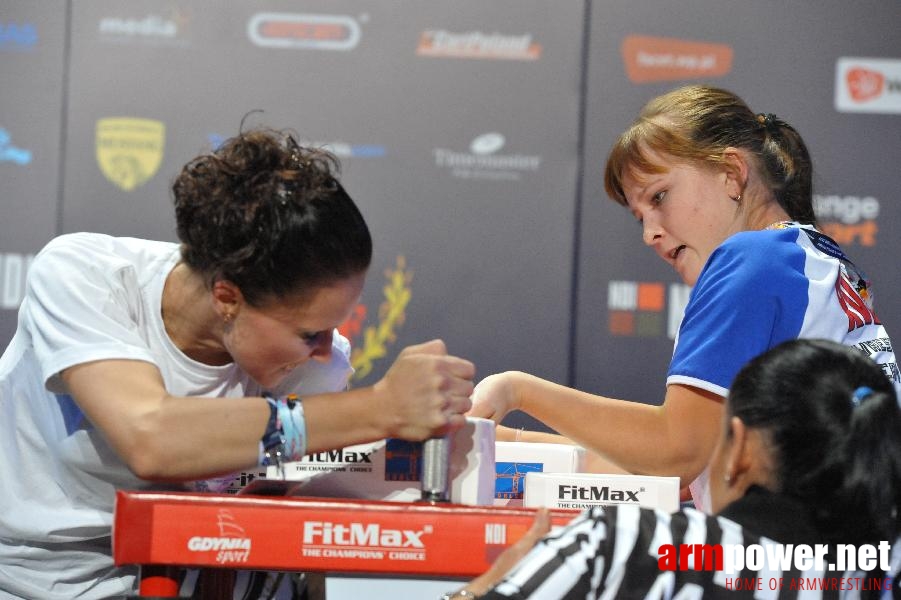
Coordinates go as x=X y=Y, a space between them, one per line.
x=144 y=364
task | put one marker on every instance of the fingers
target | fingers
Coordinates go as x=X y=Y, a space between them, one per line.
x=459 y=367
x=436 y=347
x=539 y=528
x=457 y=405
x=454 y=421
x=541 y=525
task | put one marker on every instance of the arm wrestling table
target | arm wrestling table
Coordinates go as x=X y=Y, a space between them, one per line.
x=162 y=532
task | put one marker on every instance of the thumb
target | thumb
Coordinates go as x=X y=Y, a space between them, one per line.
x=482 y=410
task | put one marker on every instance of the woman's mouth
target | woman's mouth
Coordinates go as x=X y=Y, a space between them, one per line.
x=674 y=254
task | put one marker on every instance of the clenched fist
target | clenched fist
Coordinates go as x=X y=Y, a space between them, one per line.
x=426 y=392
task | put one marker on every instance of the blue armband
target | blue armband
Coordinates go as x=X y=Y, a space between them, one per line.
x=285 y=438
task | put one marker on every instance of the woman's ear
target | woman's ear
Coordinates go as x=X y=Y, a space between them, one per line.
x=737 y=453
x=750 y=460
x=227 y=298
x=735 y=165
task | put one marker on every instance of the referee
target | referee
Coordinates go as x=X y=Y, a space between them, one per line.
x=810 y=453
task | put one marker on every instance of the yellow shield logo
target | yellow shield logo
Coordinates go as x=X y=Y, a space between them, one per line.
x=129 y=151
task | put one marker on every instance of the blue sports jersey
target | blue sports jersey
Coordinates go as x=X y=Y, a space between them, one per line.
x=761 y=288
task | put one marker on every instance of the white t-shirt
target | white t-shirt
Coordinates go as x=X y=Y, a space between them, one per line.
x=92 y=297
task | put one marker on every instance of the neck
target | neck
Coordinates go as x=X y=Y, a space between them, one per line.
x=765 y=215
x=190 y=320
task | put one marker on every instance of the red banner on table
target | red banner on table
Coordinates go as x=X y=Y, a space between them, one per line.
x=314 y=534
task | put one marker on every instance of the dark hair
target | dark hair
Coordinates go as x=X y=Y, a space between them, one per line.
x=838 y=454
x=697 y=123
x=270 y=216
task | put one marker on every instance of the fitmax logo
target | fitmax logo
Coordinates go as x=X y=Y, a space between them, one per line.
x=598 y=494
x=358 y=534
x=339 y=456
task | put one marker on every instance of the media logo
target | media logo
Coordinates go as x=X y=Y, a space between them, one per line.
x=232 y=546
x=129 y=150
x=848 y=219
x=484 y=161
x=304 y=31
x=646 y=308
x=150 y=29
x=865 y=85
x=510 y=478
x=476 y=44
x=17 y=37
x=10 y=153
x=648 y=59
x=13 y=270
x=870 y=85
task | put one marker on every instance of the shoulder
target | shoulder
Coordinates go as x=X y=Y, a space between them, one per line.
x=751 y=257
x=97 y=252
x=93 y=246
x=760 y=247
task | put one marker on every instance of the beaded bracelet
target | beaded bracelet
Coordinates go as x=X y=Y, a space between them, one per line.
x=285 y=438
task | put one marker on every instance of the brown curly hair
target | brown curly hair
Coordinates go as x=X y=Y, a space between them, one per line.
x=270 y=216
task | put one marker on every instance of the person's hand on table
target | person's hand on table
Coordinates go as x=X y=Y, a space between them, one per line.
x=494 y=397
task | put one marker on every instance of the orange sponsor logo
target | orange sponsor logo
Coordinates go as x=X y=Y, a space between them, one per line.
x=864 y=84
x=863 y=234
x=650 y=59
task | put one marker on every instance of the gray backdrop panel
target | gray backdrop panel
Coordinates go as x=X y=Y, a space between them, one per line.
x=32 y=47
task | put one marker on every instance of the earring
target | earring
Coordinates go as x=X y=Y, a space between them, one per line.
x=736 y=198
x=227 y=317
x=727 y=478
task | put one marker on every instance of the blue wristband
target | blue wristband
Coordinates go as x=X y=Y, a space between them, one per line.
x=294 y=426
x=273 y=435
x=285 y=438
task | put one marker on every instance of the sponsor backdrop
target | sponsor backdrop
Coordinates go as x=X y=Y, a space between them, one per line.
x=471 y=134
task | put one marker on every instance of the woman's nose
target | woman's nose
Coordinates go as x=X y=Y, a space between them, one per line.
x=650 y=233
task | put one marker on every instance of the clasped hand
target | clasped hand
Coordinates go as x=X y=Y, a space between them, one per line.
x=427 y=391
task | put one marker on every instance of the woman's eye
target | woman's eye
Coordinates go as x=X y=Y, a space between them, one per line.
x=309 y=338
x=658 y=197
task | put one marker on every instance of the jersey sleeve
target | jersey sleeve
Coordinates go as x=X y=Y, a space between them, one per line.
x=77 y=308
x=751 y=295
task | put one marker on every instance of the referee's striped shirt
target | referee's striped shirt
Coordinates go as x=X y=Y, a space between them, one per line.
x=612 y=552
